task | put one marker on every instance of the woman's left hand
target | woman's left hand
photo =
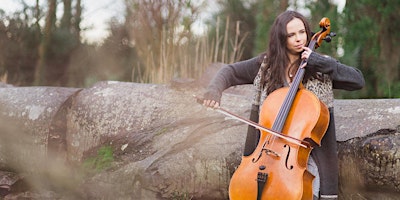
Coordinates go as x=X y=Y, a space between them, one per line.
x=306 y=53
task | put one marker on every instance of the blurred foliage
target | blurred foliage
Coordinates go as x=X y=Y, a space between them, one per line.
x=155 y=42
x=372 y=44
x=266 y=12
x=19 y=40
x=234 y=19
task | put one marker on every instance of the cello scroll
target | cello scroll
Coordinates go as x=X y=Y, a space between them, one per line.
x=324 y=34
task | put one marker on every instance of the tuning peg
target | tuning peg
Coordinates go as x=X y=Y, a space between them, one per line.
x=328 y=38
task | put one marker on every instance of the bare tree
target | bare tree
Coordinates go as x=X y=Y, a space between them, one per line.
x=160 y=32
x=44 y=45
x=57 y=43
x=77 y=18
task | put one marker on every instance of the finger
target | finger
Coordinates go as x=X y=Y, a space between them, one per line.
x=206 y=102
x=306 y=49
x=214 y=104
x=209 y=103
x=304 y=56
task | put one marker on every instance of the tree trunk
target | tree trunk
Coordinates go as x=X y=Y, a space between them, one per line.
x=67 y=15
x=77 y=19
x=41 y=67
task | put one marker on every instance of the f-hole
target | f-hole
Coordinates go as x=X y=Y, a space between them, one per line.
x=287 y=158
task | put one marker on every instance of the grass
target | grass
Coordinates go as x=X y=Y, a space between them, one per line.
x=102 y=161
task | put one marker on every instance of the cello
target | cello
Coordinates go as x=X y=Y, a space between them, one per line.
x=277 y=168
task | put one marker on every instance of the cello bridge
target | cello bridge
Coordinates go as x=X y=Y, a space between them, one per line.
x=270 y=152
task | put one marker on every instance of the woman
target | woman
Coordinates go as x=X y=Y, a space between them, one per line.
x=276 y=68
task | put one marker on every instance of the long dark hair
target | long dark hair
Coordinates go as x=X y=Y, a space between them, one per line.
x=276 y=54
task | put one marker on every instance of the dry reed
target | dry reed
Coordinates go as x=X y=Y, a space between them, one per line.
x=188 y=56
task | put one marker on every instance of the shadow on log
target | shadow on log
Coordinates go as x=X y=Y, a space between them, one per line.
x=145 y=141
x=370 y=166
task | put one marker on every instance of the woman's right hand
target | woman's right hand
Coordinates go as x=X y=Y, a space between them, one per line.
x=211 y=99
x=210 y=103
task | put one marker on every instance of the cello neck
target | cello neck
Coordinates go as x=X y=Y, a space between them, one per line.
x=287 y=103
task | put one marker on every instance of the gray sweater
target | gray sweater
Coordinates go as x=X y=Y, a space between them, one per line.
x=243 y=72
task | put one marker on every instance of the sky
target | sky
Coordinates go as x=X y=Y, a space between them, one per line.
x=96 y=13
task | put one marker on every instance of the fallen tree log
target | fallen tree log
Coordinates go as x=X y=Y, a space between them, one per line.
x=165 y=146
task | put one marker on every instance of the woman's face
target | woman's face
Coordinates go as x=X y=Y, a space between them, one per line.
x=297 y=36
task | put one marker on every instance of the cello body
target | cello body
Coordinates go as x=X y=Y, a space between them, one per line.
x=282 y=165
